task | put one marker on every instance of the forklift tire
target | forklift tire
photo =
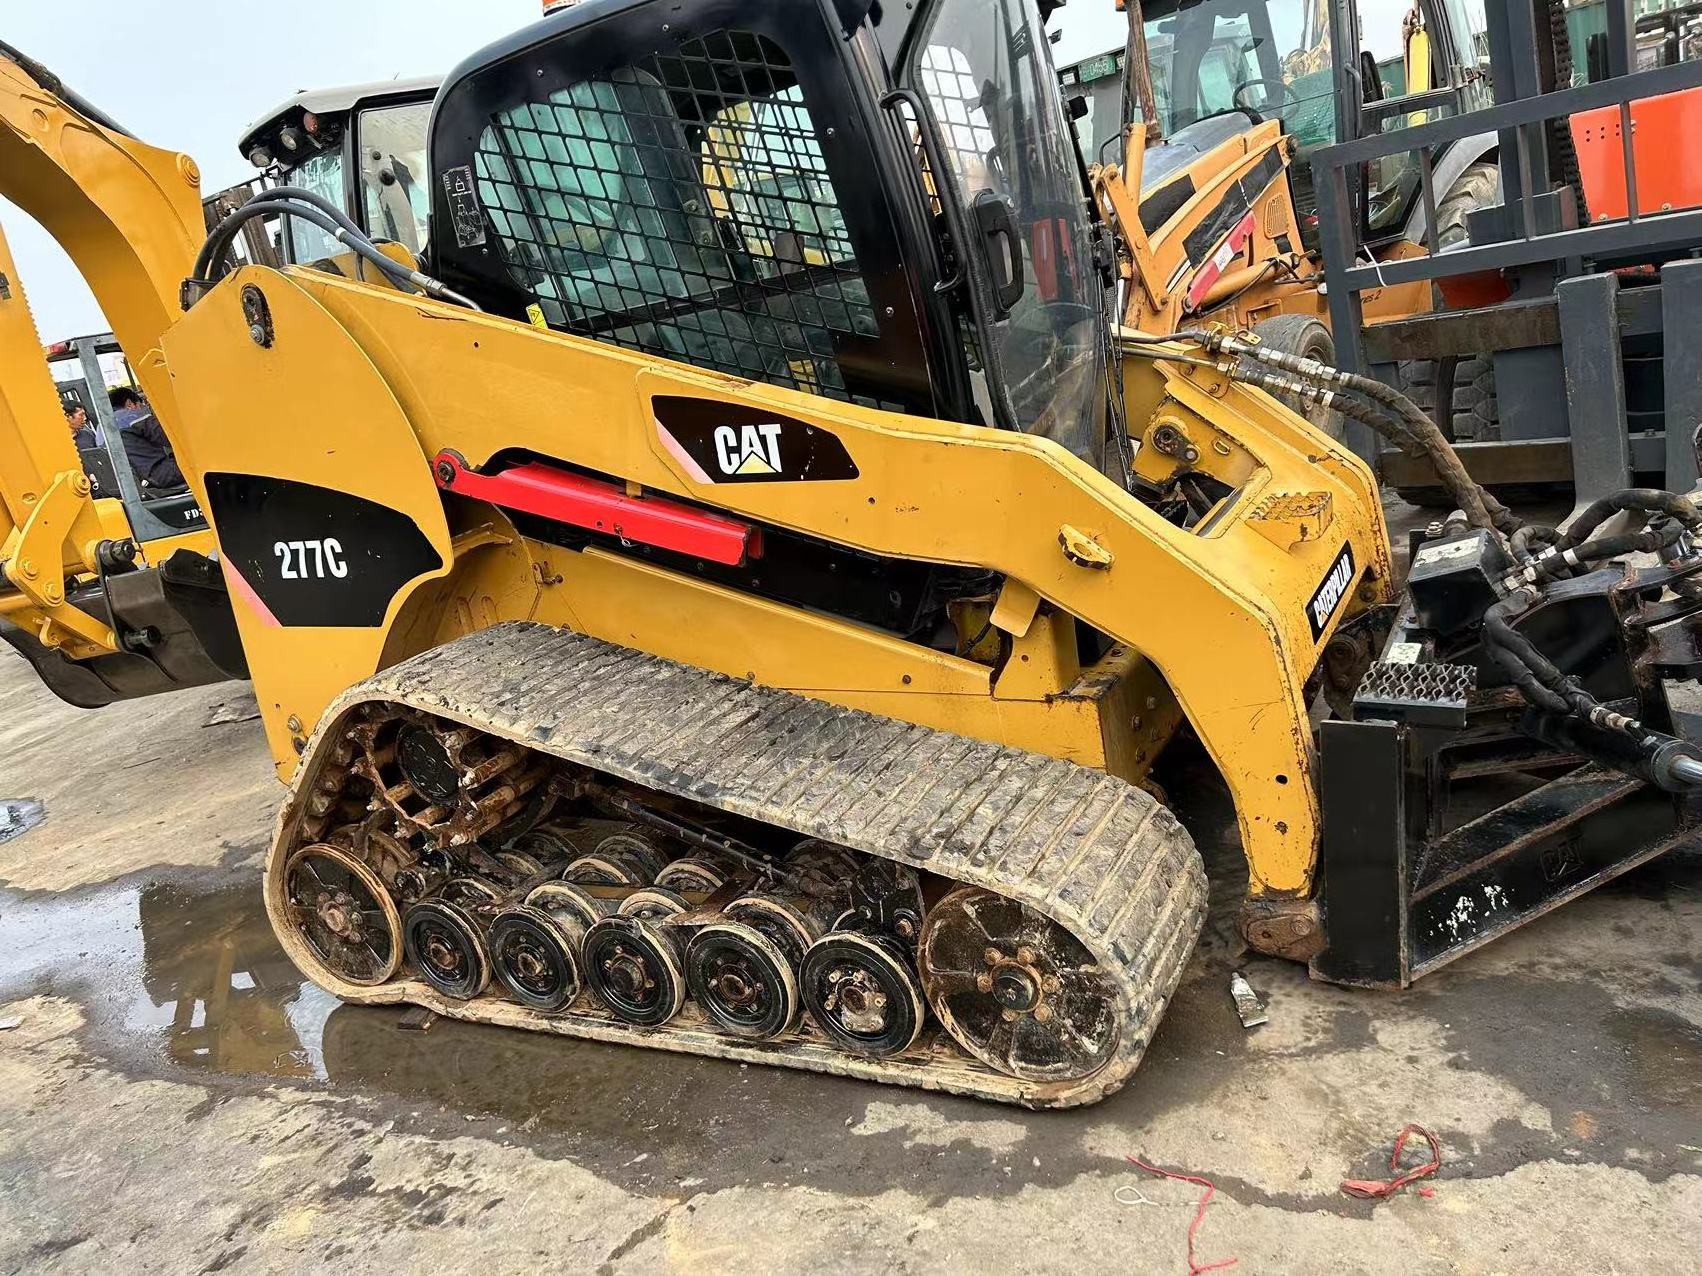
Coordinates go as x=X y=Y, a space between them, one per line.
x=1466 y=385
x=1307 y=337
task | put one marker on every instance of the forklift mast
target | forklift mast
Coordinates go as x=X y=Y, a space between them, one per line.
x=1575 y=287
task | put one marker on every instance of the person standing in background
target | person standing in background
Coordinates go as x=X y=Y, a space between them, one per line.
x=84 y=435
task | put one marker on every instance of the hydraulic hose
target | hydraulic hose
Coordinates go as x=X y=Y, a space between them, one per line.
x=1643 y=500
x=1416 y=428
x=292 y=201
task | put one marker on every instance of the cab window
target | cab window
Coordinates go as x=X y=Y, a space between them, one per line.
x=1220 y=56
x=682 y=207
x=323 y=175
x=393 y=149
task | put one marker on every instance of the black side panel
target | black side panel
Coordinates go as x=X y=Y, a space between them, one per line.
x=1164 y=203
x=1362 y=860
x=1236 y=205
x=730 y=443
x=315 y=556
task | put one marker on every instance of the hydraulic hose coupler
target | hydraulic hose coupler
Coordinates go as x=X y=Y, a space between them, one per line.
x=1675 y=765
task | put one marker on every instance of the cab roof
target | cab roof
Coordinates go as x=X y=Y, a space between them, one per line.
x=338 y=100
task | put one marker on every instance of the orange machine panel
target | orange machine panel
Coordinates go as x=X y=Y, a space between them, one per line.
x=1663 y=133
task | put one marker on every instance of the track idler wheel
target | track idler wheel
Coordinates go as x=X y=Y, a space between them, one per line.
x=1017 y=990
x=444 y=943
x=342 y=912
x=636 y=969
x=861 y=991
x=743 y=980
x=534 y=955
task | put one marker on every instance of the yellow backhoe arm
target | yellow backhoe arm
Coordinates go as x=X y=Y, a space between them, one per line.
x=129 y=215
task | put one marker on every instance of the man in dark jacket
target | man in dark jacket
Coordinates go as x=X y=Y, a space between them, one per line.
x=84 y=436
x=145 y=442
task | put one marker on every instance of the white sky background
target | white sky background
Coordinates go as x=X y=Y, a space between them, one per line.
x=191 y=75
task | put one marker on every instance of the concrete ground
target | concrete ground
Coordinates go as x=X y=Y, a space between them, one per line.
x=175 y=1099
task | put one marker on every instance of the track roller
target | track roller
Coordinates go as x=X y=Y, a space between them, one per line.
x=1015 y=989
x=569 y=900
x=653 y=904
x=521 y=864
x=533 y=954
x=743 y=980
x=342 y=912
x=471 y=891
x=793 y=924
x=635 y=968
x=616 y=865
x=444 y=941
x=861 y=991
x=696 y=874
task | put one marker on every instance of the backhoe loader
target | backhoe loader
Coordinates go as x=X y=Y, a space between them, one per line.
x=1212 y=189
x=735 y=593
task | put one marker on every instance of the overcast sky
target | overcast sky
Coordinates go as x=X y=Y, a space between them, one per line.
x=193 y=74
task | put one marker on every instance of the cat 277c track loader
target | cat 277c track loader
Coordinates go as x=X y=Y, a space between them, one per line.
x=738 y=593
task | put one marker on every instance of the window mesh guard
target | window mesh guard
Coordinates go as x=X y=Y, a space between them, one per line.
x=682 y=207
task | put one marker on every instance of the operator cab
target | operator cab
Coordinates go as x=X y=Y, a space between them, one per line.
x=1221 y=66
x=363 y=147
x=747 y=187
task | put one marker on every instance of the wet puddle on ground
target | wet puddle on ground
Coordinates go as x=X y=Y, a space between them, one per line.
x=182 y=979
x=187 y=982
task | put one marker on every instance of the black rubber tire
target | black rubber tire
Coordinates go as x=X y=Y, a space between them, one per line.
x=1307 y=337
x=1467 y=385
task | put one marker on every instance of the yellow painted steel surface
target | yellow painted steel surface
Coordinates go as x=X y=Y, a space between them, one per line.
x=362 y=386
x=1270 y=275
x=129 y=216
x=1222 y=615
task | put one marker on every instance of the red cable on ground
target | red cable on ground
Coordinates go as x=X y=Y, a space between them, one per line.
x=1380 y=1189
x=1194 y=1268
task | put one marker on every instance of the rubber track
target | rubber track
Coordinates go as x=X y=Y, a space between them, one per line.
x=1095 y=853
